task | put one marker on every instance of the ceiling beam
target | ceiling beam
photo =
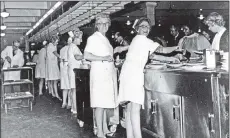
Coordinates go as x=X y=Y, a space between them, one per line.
x=23 y=12
x=25 y=5
x=20 y=19
x=18 y=24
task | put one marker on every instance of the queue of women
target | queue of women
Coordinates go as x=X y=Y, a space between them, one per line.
x=104 y=93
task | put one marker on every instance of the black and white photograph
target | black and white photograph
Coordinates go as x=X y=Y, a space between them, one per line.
x=114 y=69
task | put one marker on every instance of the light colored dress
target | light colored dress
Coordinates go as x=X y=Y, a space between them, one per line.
x=73 y=63
x=132 y=76
x=103 y=74
x=52 y=70
x=65 y=82
x=16 y=59
x=194 y=42
x=40 y=70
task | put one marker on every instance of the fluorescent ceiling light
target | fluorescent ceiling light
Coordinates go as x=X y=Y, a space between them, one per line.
x=44 y=16
x=3 y=27
x=5 y=14
x=3 y=34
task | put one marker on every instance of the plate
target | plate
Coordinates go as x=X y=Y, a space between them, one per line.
x=198 y=52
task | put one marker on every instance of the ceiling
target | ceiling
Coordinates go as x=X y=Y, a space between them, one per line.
x=23 y=16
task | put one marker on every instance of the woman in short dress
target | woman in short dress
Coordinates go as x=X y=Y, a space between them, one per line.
x=103 y=75
x=40 y=70
x=131 y=88
x=52 y=69
x=65 y=84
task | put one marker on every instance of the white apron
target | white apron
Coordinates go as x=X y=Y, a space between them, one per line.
x=73 y=63
x=103 y=75
x=65 y=84
x=52 y=70
x=131 y=86
x=40 y=70
x=17 y=59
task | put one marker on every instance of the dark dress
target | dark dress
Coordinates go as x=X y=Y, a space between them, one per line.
x=224 y=41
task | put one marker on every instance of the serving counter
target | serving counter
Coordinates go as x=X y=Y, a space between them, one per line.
x=183 y=103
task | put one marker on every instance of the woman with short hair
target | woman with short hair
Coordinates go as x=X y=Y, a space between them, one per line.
x=52 y=69
x=103 y=75
x=131 y=90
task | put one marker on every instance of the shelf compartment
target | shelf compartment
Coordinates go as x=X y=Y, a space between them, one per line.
x=16 y=69
x=15 y=82
x=17 y=95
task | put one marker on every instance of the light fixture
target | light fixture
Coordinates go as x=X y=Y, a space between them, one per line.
x=44 y=16
x=32 y=44
x=200 y=16
x=3 y=27
x=3 y=34
x=132 y=32
x=4 y=14
x=128 y=21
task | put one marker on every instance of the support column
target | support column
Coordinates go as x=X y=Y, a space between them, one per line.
x=149 y=11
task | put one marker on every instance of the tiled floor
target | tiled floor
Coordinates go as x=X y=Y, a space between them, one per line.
x=47 y=120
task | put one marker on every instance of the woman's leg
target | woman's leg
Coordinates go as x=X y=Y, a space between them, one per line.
x=50 y=86
x=69 y=99
x=99 y=121
x=74 y=100
x=41 y=86
x=105 y=124
x=129 y=128
x=135 y=119
x=55 y=89
x=65 y=93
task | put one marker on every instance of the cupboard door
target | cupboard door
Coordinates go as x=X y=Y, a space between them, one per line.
x=161 y=116
x=221 y=106
x=197 y=109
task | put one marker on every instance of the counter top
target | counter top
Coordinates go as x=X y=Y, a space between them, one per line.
x=184 y=69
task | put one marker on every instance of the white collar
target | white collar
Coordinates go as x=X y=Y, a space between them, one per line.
x=222 y=29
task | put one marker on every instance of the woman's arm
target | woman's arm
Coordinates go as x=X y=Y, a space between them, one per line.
x=56 y=54
x=161 y=57
x=78 y=57
x=92 y=57
x=120 y=49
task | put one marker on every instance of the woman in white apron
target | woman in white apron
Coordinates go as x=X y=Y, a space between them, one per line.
x=52 y=70
x=40 y=70
x=103 y=77
x=132 y=77
x=74 y=61
x=65 y=82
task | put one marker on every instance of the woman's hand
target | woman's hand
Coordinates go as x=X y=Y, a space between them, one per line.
x=120 y=49
x=117 y=50
x=108 y=58
x=174 y=60
x=8 y=59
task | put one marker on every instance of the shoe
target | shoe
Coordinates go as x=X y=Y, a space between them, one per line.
x=59 y=98
x=95 y=131
x=63 y=106
x=69 y=107
x=113 y=128
x=101 y=137
x=74 y=112
x=81 y=123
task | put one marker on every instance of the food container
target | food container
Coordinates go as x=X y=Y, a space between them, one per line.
x=211 y=58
